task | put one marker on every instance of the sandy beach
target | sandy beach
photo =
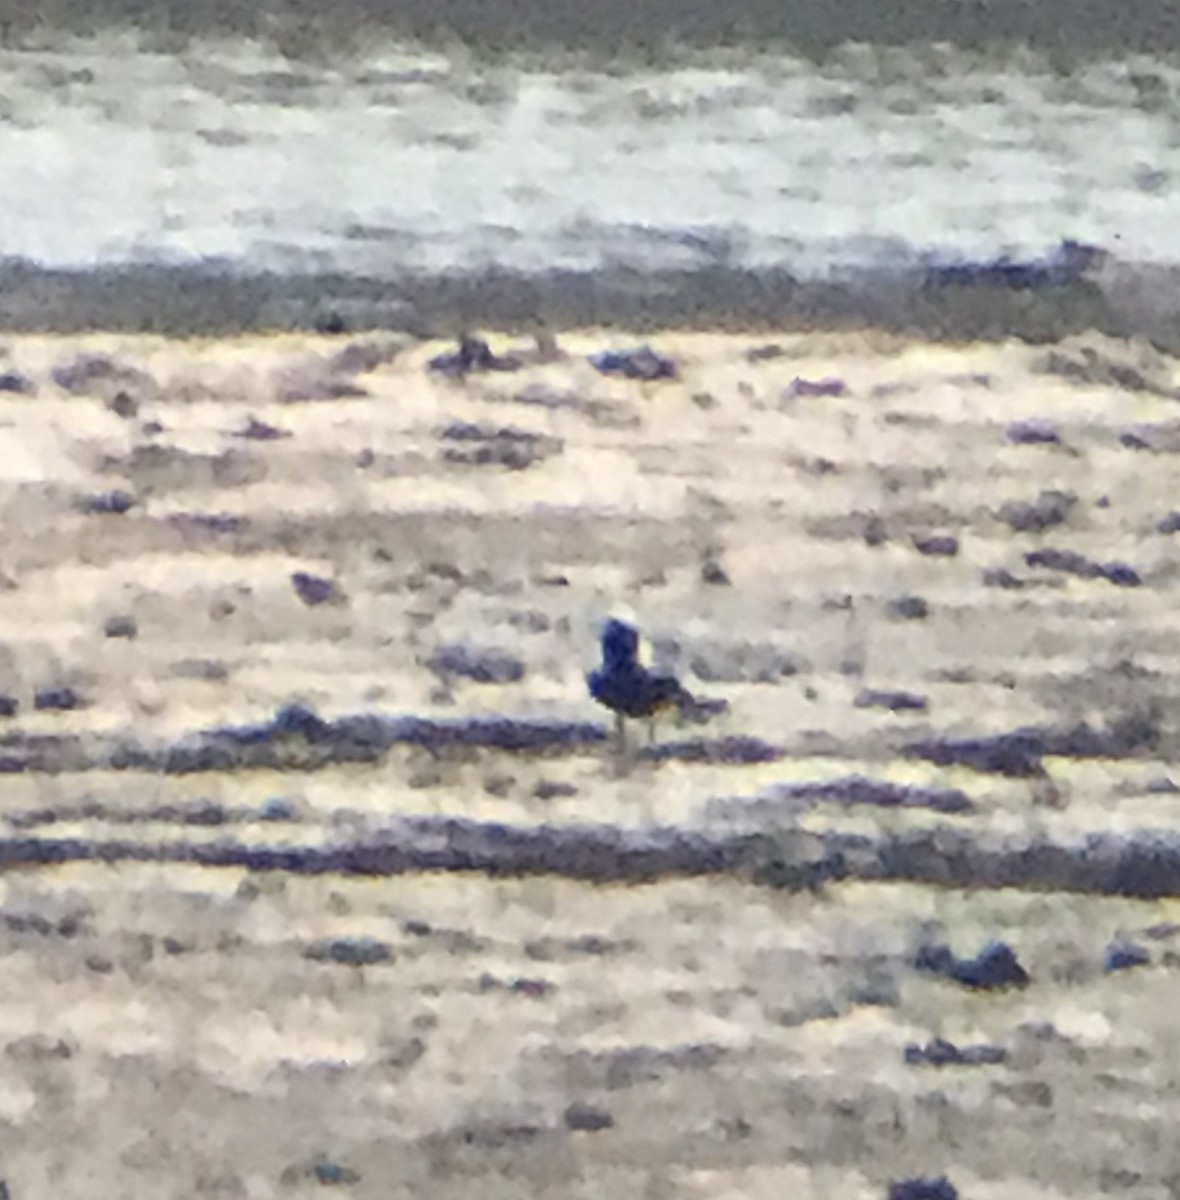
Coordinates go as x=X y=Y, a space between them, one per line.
x=862 y=542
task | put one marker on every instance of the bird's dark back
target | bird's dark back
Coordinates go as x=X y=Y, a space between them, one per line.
x=620 y=644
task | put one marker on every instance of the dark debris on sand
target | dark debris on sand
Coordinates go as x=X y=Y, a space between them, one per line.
x=855 y=790
x=1097 y=361
x=349 y=951
x=1019 y=753
x=473 y=356
x=937 y=545
x=1033 y=432
x=994 y=968
x=114 y=503
x=641 y=362
x=1122 y=954
x=472 y=444
x=829 y=387
x=103 y=376
x=1070 y=562
x=480 y=666
x=15 y=384
x=314 y=590
x=922 y=1188
x=940 y=1053
x=1034 y=516
x=894 y=701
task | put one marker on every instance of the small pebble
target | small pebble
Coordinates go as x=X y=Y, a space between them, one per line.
x=585 y=1118
x=908 y=608
x=56 y=699
x=1121 y=955
x=937 y=546
x=313 y=589
x=938 y=1188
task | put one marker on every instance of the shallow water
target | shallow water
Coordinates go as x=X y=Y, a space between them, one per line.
x=414 y=160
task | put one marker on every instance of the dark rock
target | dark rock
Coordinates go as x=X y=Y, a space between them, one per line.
x=1121 y=955
x=259 y=431
x=279 y=808
x=941 y=1053
x=14 y=383
x=1001 y=577
x=208 y=670
x=1170 y=523
x=57 y=699
x=533 y=989
x=585 y=1118
x=918 y=1188
x=1033 y=433
x=1072 y=563
x=116 y=502
x=483 y=445
x=101 y=375
x=199 y=812
x=548 y=790
x=894 y=701
x=1110 y=363
x=875 y=532
x=765 y=353
x=331 y=324
x=731 y=750
x=349 y=952
x=1134 y=441
x=713 y=573
x=642 y=362
x=996 y=966
x=499 y=786
x=857 y=790
x=361 y=357
x=124 y=405
x=803 y=388
x=1016 y=754
x=937 y=546
x=333 y=1174
x=120 y=627
x=908 y=608
x=934 y=959
x=195 y=525
x=301 y=721
x=480 y=666
x=473 y=355
x=1048 y=509
x=8 y=706
x=314 y=589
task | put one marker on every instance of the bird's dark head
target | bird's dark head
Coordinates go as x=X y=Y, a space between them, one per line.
x=620 y=643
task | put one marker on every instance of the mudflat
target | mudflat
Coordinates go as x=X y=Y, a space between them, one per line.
x=887 y=556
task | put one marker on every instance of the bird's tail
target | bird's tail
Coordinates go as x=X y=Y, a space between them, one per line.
x=699 y=708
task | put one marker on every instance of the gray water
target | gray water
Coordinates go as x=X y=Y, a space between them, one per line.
x=413 y=161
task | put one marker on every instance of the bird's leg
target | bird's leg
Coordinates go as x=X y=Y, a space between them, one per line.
x=651 y=731
x=620 y=733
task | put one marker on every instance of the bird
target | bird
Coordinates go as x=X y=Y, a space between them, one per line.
x=629 y=689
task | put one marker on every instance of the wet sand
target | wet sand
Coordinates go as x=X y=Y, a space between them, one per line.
x=201 y=532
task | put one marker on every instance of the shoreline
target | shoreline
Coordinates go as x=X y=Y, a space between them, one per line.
x=966 y=305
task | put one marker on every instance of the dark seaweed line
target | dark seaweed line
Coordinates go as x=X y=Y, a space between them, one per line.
x=1143 y=865
x=296 y=738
